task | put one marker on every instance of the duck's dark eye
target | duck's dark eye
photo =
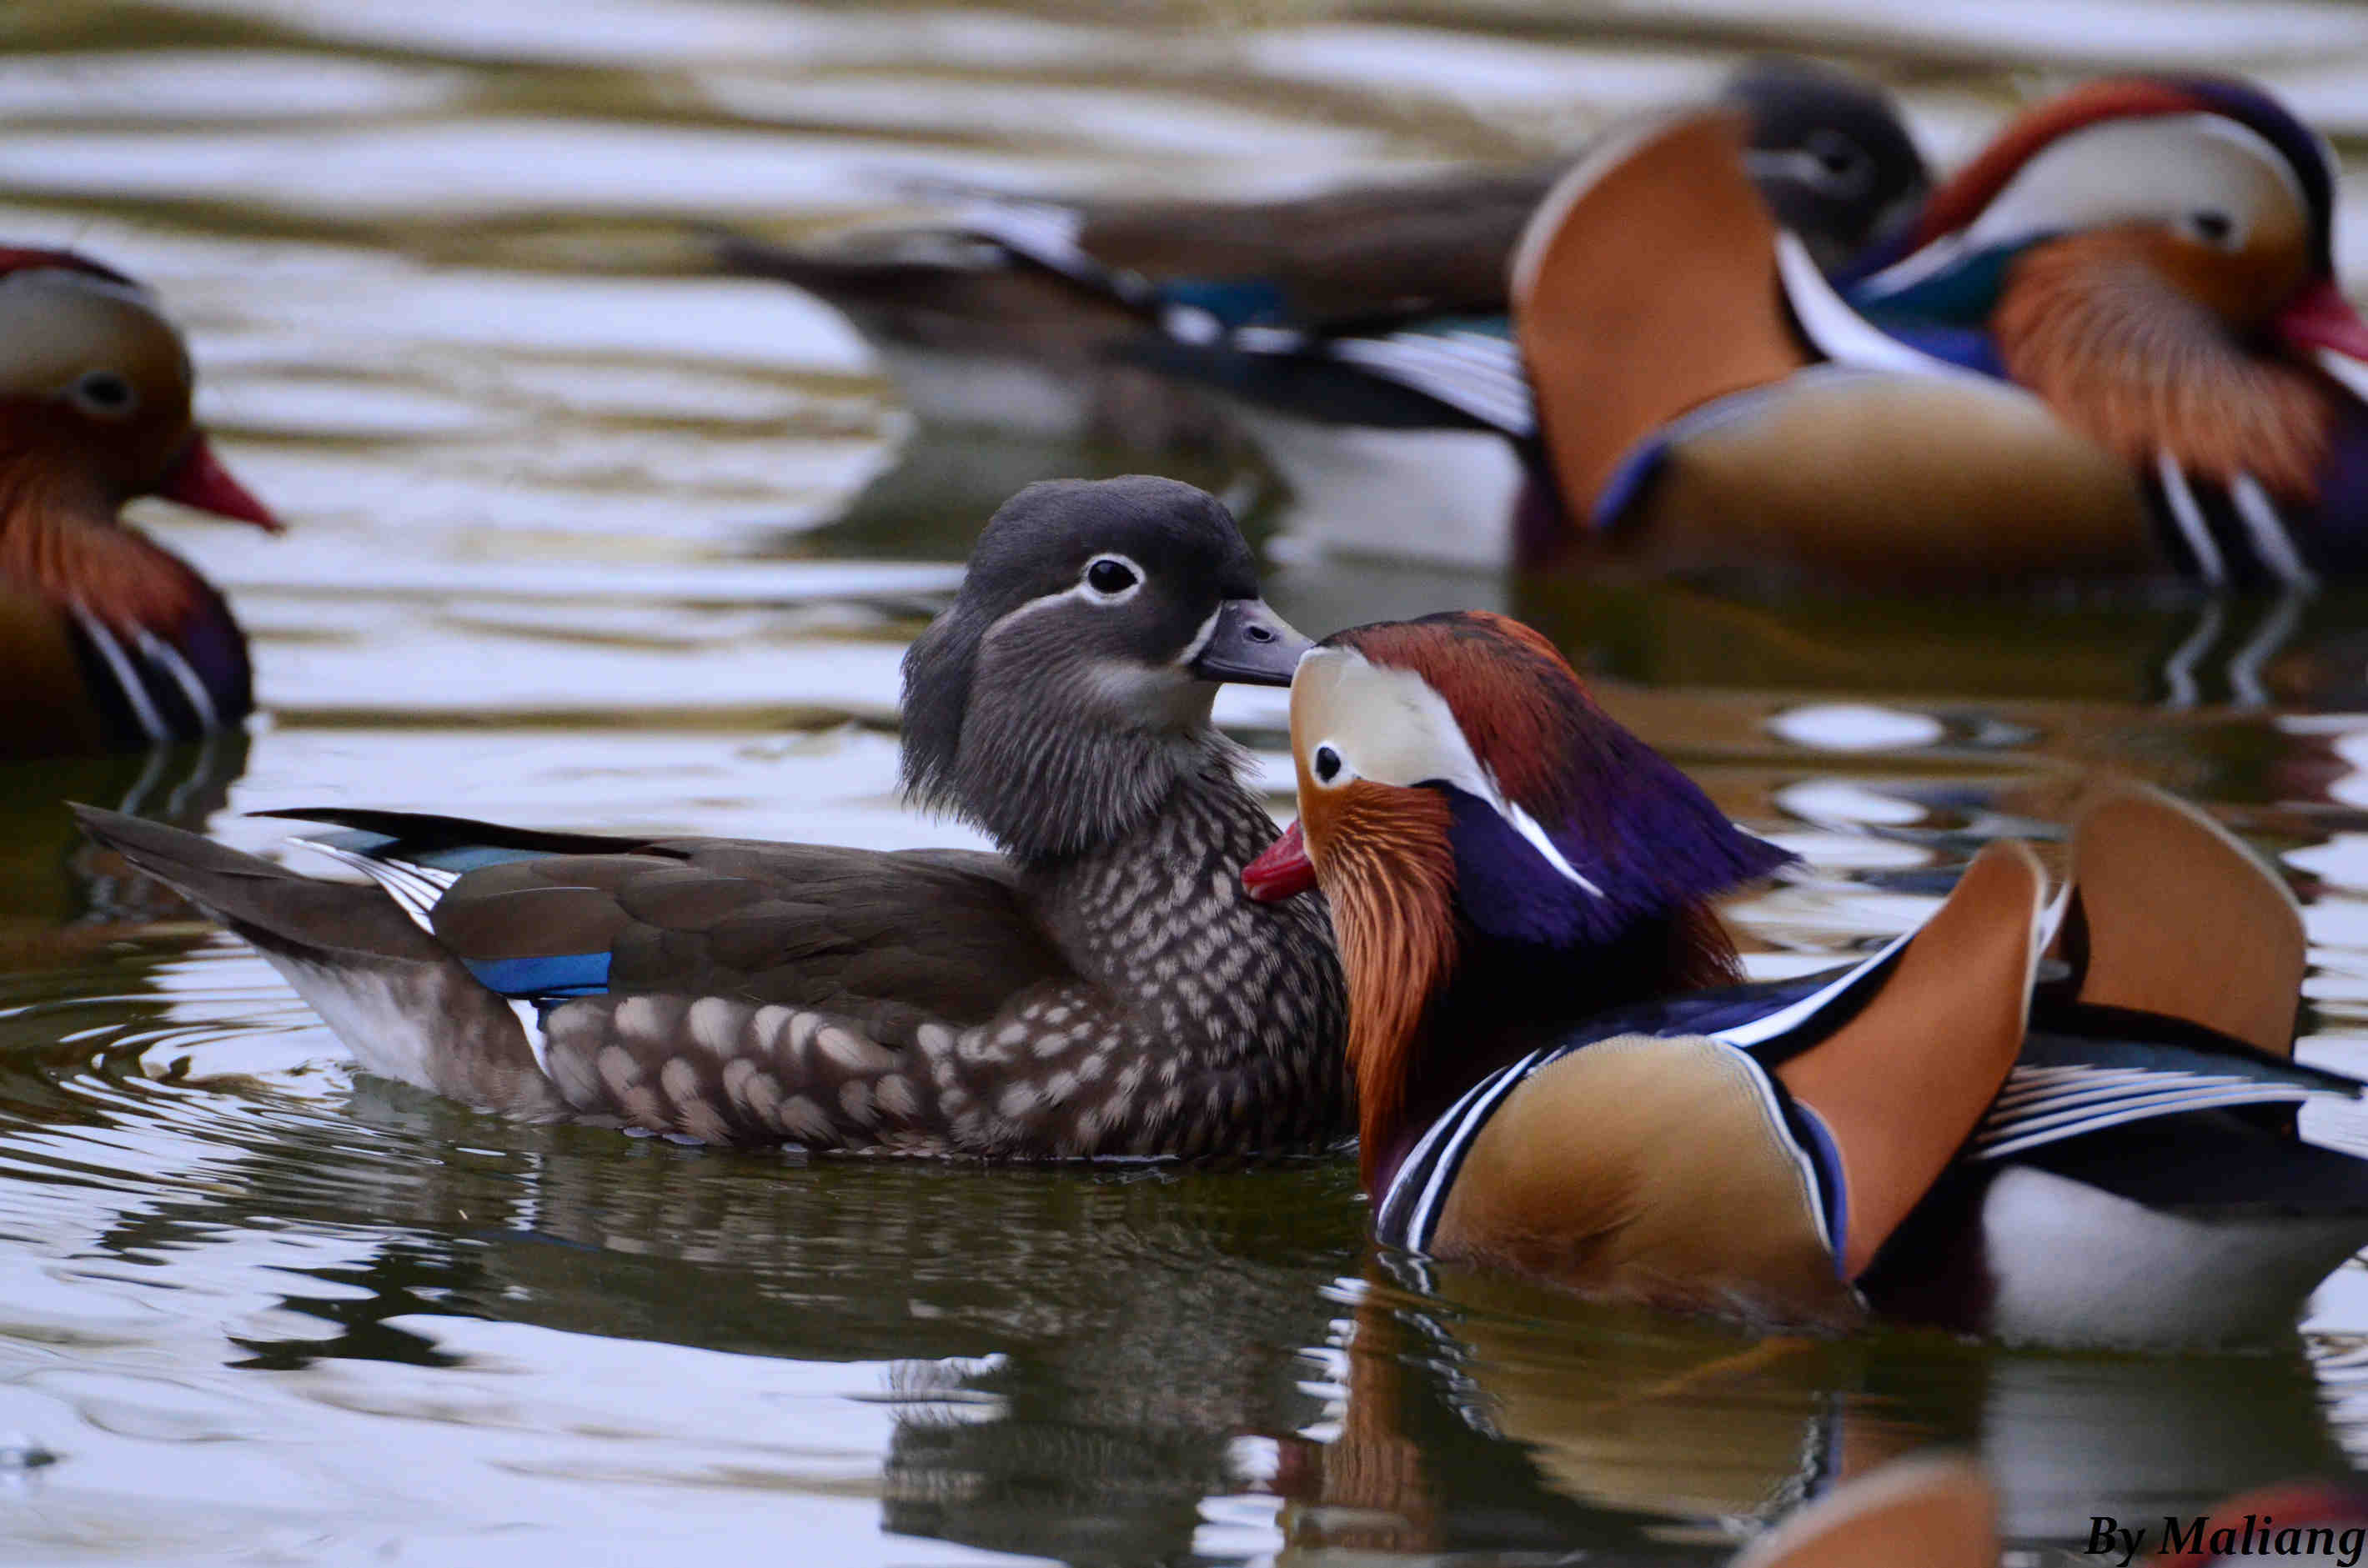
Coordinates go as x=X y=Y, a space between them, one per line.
x=2213 y=228
x=1110 y=576
x=1327 y=764
x=1843 y=166
x=105 y=393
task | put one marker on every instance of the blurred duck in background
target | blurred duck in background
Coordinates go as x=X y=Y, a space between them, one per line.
x=2113 y=345
x=1558 y=1073
x=1387 y=420
x=111 y=642
x=1011 y=314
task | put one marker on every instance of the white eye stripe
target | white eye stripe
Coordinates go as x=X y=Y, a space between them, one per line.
x=2134 y=170
x=1400 y=732
x=1083 y=591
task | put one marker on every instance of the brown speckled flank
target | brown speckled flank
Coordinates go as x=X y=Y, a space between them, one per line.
x=1195 y=1022
x=1102 y=987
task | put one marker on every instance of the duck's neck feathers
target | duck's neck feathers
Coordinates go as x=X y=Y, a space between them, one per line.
x=1225 y=1015
x=1492 y=1002
x=2093 y=325
x=58 y=540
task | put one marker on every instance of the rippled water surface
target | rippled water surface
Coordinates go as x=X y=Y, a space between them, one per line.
x=585 y=536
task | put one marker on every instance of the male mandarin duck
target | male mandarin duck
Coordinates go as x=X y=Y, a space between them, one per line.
x=2113 y=344
x=110 y=641
x=1389 y=425
x=1009 y=313
x=1102 y=987
x=1556 y=1071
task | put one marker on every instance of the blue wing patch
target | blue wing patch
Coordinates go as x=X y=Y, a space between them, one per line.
x=554 y=975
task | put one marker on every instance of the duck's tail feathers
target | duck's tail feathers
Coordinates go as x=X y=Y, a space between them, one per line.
x=1900 y=1085
x=986 y=233
x=1935 y=1513
x=881 y=270
x=454 y=844
x=405 y=1007
x=271 y=906
x=1379 y=383
x=1647 y=284
x=2172 y=916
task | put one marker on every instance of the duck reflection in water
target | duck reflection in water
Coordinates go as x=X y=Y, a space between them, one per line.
x=1070 y=1359
x=62 y=897
x=1477 y=1413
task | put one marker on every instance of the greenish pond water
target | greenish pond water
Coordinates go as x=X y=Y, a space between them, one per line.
x=583 y=537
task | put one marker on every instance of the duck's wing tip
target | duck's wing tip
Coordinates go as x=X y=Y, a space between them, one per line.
x=1941 y=1513
x=1647 y=283
x=2173 y=916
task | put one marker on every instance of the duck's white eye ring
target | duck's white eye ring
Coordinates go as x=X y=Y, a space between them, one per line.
x=1325 y=764
x=105 y=394
x=1111 y=577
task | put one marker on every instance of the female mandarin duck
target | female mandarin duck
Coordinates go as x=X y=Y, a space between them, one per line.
x=1009 y=315
x=1103 y=987
x=2113 y=344
x=111 y=642
x=1556 y=1072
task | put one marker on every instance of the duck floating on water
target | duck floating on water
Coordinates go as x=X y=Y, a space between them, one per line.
x=1557 y=1070
x=1010 y=314
x=2113 y=345
x=1388 y=423
x=1103 y=987
x=110 y=641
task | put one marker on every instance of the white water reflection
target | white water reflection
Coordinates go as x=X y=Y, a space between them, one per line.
x=217 y=84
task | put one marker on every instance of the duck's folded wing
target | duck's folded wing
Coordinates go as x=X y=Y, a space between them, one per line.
x=2186 y=957
x=2066 y=1087
x=541 y=917
x=1647 y=283
x=1329 y=260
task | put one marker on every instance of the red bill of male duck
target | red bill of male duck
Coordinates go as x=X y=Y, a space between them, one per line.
x=1558 y=1072
x=109 y=640
x=2113 y=345
x=1103 y=987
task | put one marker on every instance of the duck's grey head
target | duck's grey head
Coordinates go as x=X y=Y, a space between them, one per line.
x=1828 y=152
x=1066 y=692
